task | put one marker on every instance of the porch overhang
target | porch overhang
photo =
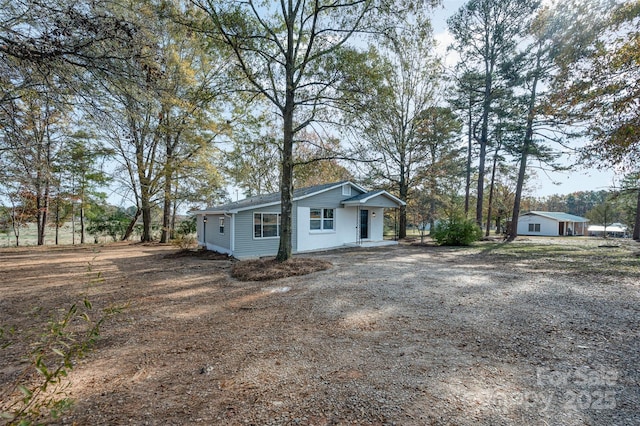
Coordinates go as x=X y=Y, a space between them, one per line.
x=379 y=199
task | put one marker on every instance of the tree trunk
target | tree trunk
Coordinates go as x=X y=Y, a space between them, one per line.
x=467 y=190
x=166 y=216
x=146 y=221
x=166 y=207
x=513 y=228
x=174 y=208
x=168 y=183
x=45 y=201
x=512 y=232
x=286 y=184
x=145 y=206
x=39 y=208
x=82 y=220
x=484 y=134
x=73 y=222
x=16 y=233
x=403 y=191
x=57 y=218
x=43 y=209
x=132 y=225
x=402 y=222
x=636 y=228
x=81 y=193
x=490 y=203
x=432 y=214
x=433 y=202
x=491 y=188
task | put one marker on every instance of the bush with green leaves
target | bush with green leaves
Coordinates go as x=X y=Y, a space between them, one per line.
x=185 y=231
x=107 y=221
x=187 y=226
x=456 y=231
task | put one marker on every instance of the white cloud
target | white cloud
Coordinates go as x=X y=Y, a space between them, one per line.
x=443 y=41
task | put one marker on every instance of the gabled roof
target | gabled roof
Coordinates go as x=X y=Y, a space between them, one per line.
x=559 y=216
x=363 y=198
x=273 y=198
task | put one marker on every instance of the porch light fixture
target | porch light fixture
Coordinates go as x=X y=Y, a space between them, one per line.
x=373 y=214
x=204 y=223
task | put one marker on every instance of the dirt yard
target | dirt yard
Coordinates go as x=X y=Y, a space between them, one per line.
x=541 y=332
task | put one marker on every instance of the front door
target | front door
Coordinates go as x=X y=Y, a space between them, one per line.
x=364 y=224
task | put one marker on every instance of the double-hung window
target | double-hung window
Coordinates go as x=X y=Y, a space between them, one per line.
x=321 y=220
x=534 y=227
x=266 y=225
x=221 y=225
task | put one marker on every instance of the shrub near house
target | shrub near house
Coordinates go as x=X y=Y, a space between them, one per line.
x=456 y=231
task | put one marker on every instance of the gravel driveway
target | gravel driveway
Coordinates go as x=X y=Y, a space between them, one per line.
x=537 y=332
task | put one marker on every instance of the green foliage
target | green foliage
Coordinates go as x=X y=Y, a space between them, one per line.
x=578 y=203
x=487 y=33
x=5 y=220
x=40 y=391
x=456 y=231
x=297 y=55
x=185 y=234
x=598 y=60
x=604 y=214
x=395 y=137
x=187 y=226
x=107 y=221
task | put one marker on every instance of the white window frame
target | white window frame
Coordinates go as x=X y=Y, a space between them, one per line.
x=221 y=225
x=534 y=227
x=346 y=189
x=253 y=225
x=323 y=217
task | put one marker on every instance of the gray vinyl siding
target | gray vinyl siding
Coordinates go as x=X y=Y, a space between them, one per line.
x=246 y=244
x=222 y=240
x=213 y=231
x=329 y=199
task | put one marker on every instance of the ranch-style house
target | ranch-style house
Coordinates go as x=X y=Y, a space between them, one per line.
x=551 y=224
x=323 y=217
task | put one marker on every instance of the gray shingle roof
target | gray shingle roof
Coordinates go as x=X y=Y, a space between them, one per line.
x=363 y=196
x=272 y=198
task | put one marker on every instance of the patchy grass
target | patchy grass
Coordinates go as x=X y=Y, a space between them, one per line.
x=592 y=256
x=270 y=269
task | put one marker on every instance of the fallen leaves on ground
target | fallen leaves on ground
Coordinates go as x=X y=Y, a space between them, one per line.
x=271 y=269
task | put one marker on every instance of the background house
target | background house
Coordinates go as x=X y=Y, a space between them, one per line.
x=613 y=230
x=551 y=224
x=324 y=216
